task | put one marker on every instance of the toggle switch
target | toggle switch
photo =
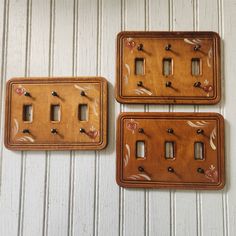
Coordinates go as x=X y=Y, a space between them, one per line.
x=168 y=47
x=140 y=84
x=25 y=131
x=82 y=93
x=54 y=131
x=54 y=93
x=170 y=169
x=140 y=47
x=182 y=161
x=200 y=131
x=197 y=84
x=141 y=130
x=170 y=131
x=55 y=112
x=197 y=47
x=174 y=60
x=82 y=130
x=200 y=170
x=27 y=94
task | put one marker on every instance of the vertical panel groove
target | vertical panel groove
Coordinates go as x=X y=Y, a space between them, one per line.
x=121 y=190
x=97 y=154
x=48 y=153
x=24 y=154
x=72 y=153
x=146 y=108
x=3 y=76
x=172 y=192
x=196 y=109
x=224 y=192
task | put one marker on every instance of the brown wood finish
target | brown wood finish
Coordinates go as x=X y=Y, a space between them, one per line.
x=69 y=133
x=181 y=172
x=178 y=87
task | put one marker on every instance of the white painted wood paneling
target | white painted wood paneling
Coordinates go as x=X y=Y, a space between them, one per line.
x=75 y=193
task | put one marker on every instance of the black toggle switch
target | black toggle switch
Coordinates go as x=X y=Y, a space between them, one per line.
x=82 y=130
x=168 y=47
x=170 y=169
x=25 y=131
x=54 y=131
x=54 y=93
x=197 y=84
x=140 y=84
x=170 y=131
x=200 y=131
x=27 y=94
x=141 y=169
x=200 y=170
x=140 y=47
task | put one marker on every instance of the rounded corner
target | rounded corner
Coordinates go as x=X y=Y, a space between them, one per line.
x=120 y=35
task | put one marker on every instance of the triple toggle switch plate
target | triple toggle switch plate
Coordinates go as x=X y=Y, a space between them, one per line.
x=170 y=150
x=168 y=67
x=56 y=113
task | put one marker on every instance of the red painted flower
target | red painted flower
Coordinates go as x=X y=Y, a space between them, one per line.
x=92 y=133
x=130 y=43
x=212 y=174
x=132 y=125
x=20 y=90
x=208 y=88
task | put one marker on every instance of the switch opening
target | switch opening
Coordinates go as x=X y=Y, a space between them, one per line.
x=55 y=114
x=167 y=66
x=27 y=113
x=140 y=149
x=83 y=112
x=169 y=150
x=198 y=151
x=196 y=66
x=139 y=66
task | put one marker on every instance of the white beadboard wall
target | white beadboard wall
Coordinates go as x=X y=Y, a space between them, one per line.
x=74 y=192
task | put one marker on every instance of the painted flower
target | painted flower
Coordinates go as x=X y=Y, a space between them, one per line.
x=130 y=43
x=20 y=90
x=212 y=174
x=208 y=88
x=92 y=133
x=132 y=125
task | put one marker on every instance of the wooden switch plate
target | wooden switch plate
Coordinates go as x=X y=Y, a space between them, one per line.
x=179 y=150
x=56 y=113
x=168 y=67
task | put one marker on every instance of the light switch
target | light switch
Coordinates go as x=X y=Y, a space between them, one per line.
x=170 y=150
x=56 y=113
x=168 y=67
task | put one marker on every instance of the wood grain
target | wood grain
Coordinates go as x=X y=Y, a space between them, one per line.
x=65 y=93
x=154 y=169
x=151 y=87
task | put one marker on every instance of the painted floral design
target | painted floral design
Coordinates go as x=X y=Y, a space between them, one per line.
x=96 y=102
x=212 y=138
x=92 y=133
x=15 y=131
x=197 y=124
x=130 y=43
x=20 y=90
x=212 y=174
x=207 y=87
x=141 y=91
x=132 y=125
x=127 y=73
x=193 y=41
x=140 y=177
x=200 y=124
x=209 y=57
x=127 y=155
